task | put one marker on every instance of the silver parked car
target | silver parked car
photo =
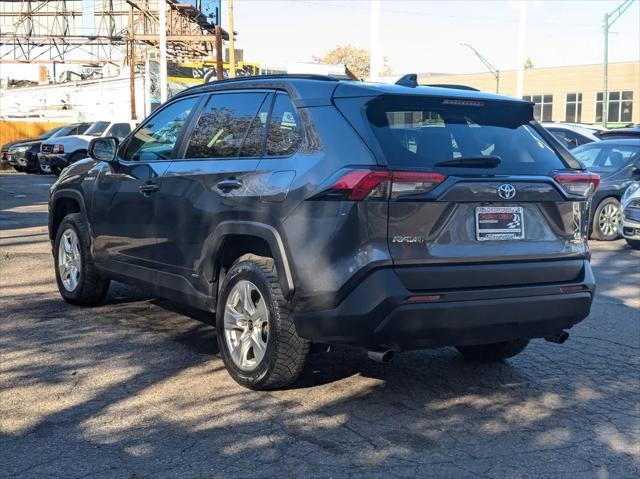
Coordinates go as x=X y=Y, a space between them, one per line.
x=630 y=222
x=570 y=134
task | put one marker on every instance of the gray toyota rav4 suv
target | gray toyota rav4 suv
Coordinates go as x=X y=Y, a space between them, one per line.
x=303 y=209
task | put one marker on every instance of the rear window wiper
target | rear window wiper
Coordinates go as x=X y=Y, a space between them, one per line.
x=472 y=162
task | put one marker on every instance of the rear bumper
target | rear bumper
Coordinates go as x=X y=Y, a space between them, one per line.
x=377 y=313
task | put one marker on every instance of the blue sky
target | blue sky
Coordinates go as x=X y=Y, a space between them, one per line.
x=424 y=35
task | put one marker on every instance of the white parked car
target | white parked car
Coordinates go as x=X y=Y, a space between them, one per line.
x=570 y=134
x=61 y=152
x=629 y=226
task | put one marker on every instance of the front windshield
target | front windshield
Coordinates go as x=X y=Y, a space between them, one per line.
x=606 y=158
x=64 y=131
x=50 y=133
x=97 y=129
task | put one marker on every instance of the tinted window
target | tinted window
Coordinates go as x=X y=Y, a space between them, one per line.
x=284 y=132
x=606 y=158
x=157 y=137
x=223 y=124
x=425 y=132
x=569 y=138
x=120 y=130
x=252 y=145
x=97 y=128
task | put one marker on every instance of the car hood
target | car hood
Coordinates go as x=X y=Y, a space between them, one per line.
x=61 y=140
x=26 y=143
x=6 y=146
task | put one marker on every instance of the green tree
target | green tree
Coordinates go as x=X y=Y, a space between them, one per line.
x=528 y=64
x=356 y=60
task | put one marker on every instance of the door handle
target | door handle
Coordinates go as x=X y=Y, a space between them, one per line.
x=227 y=185
x=148 y=188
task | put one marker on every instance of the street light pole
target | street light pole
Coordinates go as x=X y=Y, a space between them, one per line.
x=493 y=70
x=609 y=19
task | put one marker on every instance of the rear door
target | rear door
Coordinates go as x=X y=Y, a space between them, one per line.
x=214 y=180
x=473 y=183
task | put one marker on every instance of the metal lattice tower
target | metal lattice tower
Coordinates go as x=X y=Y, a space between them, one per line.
x=52 y=31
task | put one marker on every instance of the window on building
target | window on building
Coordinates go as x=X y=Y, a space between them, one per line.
x=620 y=106
x=543 y=108
x=573 y=111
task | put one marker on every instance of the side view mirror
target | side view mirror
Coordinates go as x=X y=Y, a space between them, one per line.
x=103 y=149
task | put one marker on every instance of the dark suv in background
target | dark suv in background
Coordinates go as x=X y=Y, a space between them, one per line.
x=304 y=209
x=24 y=156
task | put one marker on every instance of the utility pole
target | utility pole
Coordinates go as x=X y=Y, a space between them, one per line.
x=162 y=5
x=522 y=36
x=376 y=61
x=232 y=51
x=219 y=73
x=132 y=66
x=493 y=70
x=609 y=19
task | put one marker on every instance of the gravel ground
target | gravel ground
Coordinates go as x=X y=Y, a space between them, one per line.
x=135 y=388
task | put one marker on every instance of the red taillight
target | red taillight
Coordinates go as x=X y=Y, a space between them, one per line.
x=357 y=185
x=581 y=184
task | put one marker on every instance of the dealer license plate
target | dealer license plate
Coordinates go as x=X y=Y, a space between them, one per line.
x=499 y=223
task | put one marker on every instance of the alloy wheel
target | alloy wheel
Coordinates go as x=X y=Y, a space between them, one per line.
x=609 y=219
x=69 y=259
x=246 y=325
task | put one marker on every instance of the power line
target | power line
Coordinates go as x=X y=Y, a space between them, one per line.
x=439 y=15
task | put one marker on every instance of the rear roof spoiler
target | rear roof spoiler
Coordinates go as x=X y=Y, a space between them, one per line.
x=410 y=80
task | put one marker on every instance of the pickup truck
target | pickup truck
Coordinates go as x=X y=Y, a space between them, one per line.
x=66 y=150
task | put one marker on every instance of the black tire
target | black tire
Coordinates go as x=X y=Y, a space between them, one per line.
x=19 y=168
x=635 y=244
x=42 y=171
x=33 y=168
x=92 y=287
x=286 y=352
x=597 y=230
x=56 y=170
x=493 y=352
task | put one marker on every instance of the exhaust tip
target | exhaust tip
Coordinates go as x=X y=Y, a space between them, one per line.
x=558 y=338
x=383 y=356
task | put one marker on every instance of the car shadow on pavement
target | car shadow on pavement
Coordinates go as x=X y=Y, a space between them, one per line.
x=134 y=388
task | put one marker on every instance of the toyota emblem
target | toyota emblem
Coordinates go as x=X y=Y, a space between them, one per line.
x=506 y=191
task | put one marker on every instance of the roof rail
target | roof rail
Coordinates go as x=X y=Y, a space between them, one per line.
x=456 y=87
x=301 y=76
x=294 y=76
x=409 y=80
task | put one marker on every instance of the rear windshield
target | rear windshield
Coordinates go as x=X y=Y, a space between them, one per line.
x=424 y=133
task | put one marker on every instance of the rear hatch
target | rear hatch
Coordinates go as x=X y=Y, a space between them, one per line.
x=478 y=195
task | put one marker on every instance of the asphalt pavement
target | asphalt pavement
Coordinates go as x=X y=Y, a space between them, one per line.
x=135 y=388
